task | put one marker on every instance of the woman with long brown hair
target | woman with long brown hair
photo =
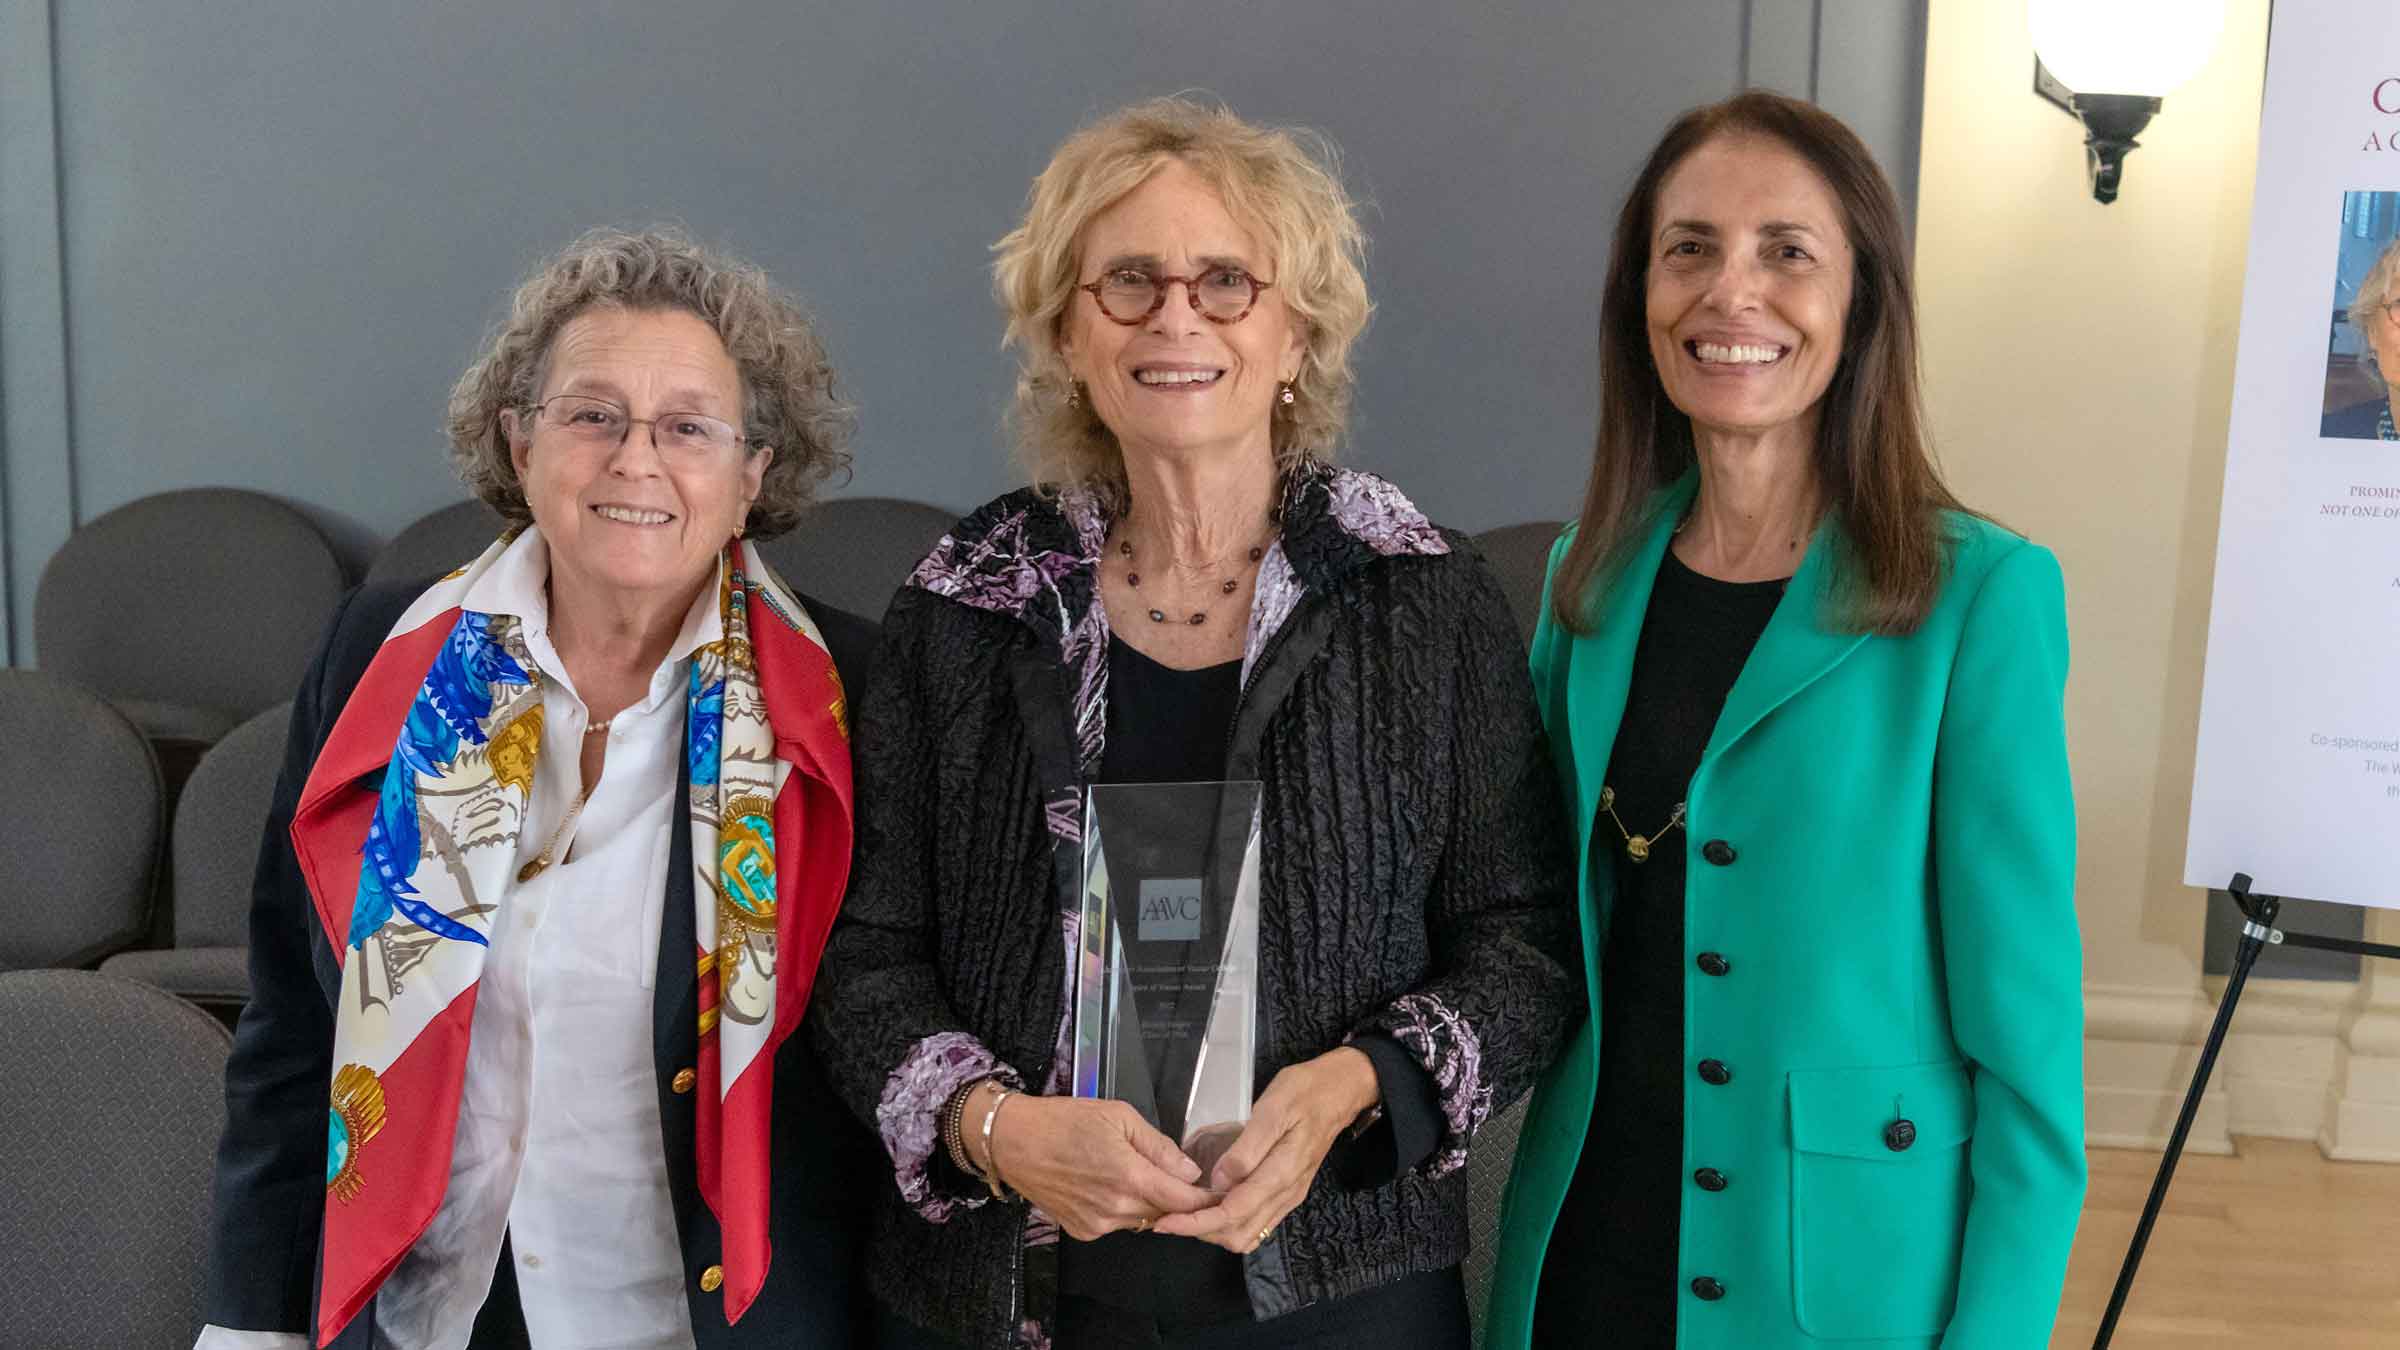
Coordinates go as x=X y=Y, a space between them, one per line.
x=1808 y=715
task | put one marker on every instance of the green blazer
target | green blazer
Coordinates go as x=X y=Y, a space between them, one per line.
x=1881 y=844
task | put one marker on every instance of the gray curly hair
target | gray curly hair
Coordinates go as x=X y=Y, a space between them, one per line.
x=2375 y=290
x=788 y=397
x=1280 y=183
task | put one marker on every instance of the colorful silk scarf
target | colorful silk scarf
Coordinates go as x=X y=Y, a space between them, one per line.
x=409 y=878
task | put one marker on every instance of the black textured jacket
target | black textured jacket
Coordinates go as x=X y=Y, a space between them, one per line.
x=1415 y=880
x=269 y=1208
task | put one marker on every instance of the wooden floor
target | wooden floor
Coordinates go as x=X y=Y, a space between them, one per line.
x=2274 y=1248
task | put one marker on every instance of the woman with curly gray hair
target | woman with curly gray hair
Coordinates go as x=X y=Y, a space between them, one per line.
x=2375 y=315
x=1191 y=592
x=557 y=844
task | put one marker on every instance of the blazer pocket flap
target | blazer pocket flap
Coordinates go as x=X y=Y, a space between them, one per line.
x=1882 y=1113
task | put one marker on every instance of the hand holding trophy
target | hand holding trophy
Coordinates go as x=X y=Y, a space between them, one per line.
x=1166 y=1000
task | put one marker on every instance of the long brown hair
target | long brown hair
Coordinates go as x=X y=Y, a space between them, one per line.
x=1871 y=458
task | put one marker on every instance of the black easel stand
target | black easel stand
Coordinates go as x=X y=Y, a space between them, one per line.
x=2258 y=933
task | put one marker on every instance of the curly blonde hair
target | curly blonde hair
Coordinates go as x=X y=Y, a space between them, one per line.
x=788 y=397
x=1280 y=183
x=2379 y=287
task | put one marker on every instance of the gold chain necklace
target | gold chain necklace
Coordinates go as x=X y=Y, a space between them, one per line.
x=541 y=861
x=1637 y=846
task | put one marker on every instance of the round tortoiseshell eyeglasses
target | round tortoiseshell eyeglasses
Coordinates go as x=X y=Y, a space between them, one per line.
x=1130 y=295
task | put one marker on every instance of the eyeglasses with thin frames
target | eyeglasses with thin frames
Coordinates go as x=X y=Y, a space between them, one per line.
x=596 y=421
x=1130 y=295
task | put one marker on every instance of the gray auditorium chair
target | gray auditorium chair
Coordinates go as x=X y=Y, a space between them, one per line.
x=219 y=822
x=853 y=552
x=112 y=1095
x=437 y=544
x=188 y=610
x=80 y=812
x=1488 y=1164
x=1519 y=554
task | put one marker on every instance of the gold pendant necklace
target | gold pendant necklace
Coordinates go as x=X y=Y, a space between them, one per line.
x=541 y=861
x=1637 y=846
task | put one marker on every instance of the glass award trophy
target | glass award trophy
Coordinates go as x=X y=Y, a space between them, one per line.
x=1166 y=981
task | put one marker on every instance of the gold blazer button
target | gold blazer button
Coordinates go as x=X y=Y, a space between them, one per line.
x=684 y=1079
x=712 y=1279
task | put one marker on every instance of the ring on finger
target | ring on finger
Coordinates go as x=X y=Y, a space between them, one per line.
x=1263 y=1232
x=1142 y=1225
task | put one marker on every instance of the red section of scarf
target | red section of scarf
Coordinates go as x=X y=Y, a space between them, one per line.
x=803 y=695
x=409 y=1166
x=329 y=829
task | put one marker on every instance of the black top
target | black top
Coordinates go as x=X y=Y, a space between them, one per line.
x=1164 y=726
x=1144 y=1289
x=1612 y=1260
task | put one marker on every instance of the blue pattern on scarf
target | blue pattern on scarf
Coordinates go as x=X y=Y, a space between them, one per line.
x=448 y=714
x=704 y=727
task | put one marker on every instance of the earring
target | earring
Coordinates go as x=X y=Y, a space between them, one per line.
x=1286 y=398
x=740 y=527
x=1074 y=394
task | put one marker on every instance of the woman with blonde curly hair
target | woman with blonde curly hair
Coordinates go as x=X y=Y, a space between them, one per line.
x=557 y=844
x=1191 y=592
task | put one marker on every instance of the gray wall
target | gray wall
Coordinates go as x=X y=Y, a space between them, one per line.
x=251 y=243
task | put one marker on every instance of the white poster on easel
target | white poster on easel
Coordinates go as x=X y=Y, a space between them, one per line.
x=2297 y=779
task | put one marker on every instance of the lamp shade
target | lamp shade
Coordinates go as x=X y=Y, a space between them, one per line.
x=2143 y=47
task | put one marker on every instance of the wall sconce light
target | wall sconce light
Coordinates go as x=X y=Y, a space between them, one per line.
x=2110 y=63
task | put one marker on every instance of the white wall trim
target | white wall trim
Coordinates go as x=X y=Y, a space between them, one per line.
x=2304 y=1059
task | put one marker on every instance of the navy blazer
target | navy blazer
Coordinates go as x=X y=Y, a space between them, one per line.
x=270 y=1181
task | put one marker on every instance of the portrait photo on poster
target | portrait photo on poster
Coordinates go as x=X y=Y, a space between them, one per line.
x=2362 y=355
